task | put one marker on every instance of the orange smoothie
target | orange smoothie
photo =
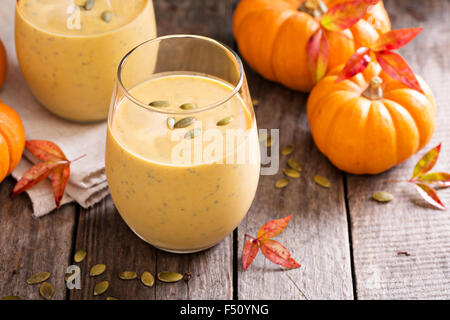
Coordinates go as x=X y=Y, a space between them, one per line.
x=179 y=191
x=69 y=50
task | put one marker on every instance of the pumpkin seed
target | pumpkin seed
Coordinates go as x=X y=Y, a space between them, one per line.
x=38 y=278
x=225 y=121
x=287 y=150
x=46 y=290
x=281 y=183
x=11 y=298
x=111 y=298
x=159 y=104
x=170 y=123
x=107 y=16
x=147 y=279
x=185 y=122
x=167 y=276
x=97 y=270
x=322 y=181
x=382 y=196
x=80 y=255
x=100 y=288
x=188 y=106
x=268 y=141
x=255 y=102
x=191 y=134
x=291 y=173
x=294 y=164
x=89 y=4
x=128 y=275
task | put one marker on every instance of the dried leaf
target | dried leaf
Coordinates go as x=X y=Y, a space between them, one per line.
x=277 y=253
x=249 y=253
x=45 y=150
x=430 y=195
x=60 y=177
x=345 y=15
x=438 y=179
x=357 y=63
x=318 y=51
x=395 y=39
x=35 y=175
x=273 y=228
x=394 y=65
x=427 y=162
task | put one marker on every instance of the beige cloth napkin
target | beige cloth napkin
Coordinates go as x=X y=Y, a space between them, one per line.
x=87 y=184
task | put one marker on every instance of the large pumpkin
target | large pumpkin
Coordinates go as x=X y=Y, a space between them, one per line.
x=272 y=36
x=12 y=140
x=3 y=64
x=371 y=122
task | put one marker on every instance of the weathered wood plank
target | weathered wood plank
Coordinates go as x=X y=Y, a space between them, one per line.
x=317 y=234
x=29 y=245
x=408 y=223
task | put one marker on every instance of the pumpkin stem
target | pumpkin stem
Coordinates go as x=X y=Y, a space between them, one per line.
x=374 y=90
x=315 y=8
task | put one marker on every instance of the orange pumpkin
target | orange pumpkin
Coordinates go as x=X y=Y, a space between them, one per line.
x=371 y=122
x=3 y=64
x=272 y=36
x=12 y=140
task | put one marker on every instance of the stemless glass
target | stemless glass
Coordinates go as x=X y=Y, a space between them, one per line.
x=182 y=151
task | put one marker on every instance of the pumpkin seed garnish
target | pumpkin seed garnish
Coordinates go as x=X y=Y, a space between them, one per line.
x=294 y=164
x=97 y=270
x=111 y=298
x=80 y=255
x=100 y=288
x=268 y=141
x=38 y=278
x=291 y=173
x=107 y=16
x=281 y=183
x=89 y=4
x=188 y=106
x=322 y=181
x=147 y=279
x=185 y=122
x=128 y=275
x=167 y=276
x=225 y=121
x=382 y=196
x=287 y=150
x=159 y=104
x=191 y=134
x=170 y=123
x=46 y=290
x=11 y=298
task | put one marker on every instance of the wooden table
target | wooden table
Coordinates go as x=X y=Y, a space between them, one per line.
x=347 y=244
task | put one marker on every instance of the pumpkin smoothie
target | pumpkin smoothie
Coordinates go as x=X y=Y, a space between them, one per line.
x=184 y=185
x=68 y=50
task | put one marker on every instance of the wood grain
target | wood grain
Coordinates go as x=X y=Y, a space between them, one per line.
x=408 y=223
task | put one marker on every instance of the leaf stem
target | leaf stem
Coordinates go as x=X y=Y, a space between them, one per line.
x=79 y=158
x=247 y=235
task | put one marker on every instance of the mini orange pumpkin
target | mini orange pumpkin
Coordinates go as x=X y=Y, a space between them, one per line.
x=370 y=122
x=272 y=36
x=12 y=140
x=3 y=64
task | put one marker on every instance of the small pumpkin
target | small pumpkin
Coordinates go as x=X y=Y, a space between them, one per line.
x=272 y=36
x=3 y=64
x=12 y=140
x=370 y=122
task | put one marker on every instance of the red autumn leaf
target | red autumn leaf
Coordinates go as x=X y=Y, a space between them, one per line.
x=439 y=179
x=249 y=253
x=60 y=178
x=273 y=228
x=45 y=150
x=277 y=253
x=427 y=162
x=394 y=65
x=345 y=15
x=395 y=39
x=357 y=63
x=35 y=175
x=430 y=195
x=318 y=51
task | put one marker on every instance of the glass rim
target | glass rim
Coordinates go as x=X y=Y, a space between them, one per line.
x=144 y=105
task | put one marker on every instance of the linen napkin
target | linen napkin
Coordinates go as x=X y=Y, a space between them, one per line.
x=87 y=184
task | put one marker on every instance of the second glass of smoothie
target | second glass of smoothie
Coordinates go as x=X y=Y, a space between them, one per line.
x=182 y=153
x=68 y=50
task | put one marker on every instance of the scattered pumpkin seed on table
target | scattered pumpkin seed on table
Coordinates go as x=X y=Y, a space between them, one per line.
x=281 y=183
x=147 y=279
x=294 y=164
x=382 y=196
x=291 y=173
x=46 y=290
x=97 y=270
x=322 y=181
x=11 y=298
x=38 y=278
x=159 y=104
x=287 y=150
x=128 y=275
x=100 y=288
x=80 y=255
x=167 y=276
x=111 y=298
